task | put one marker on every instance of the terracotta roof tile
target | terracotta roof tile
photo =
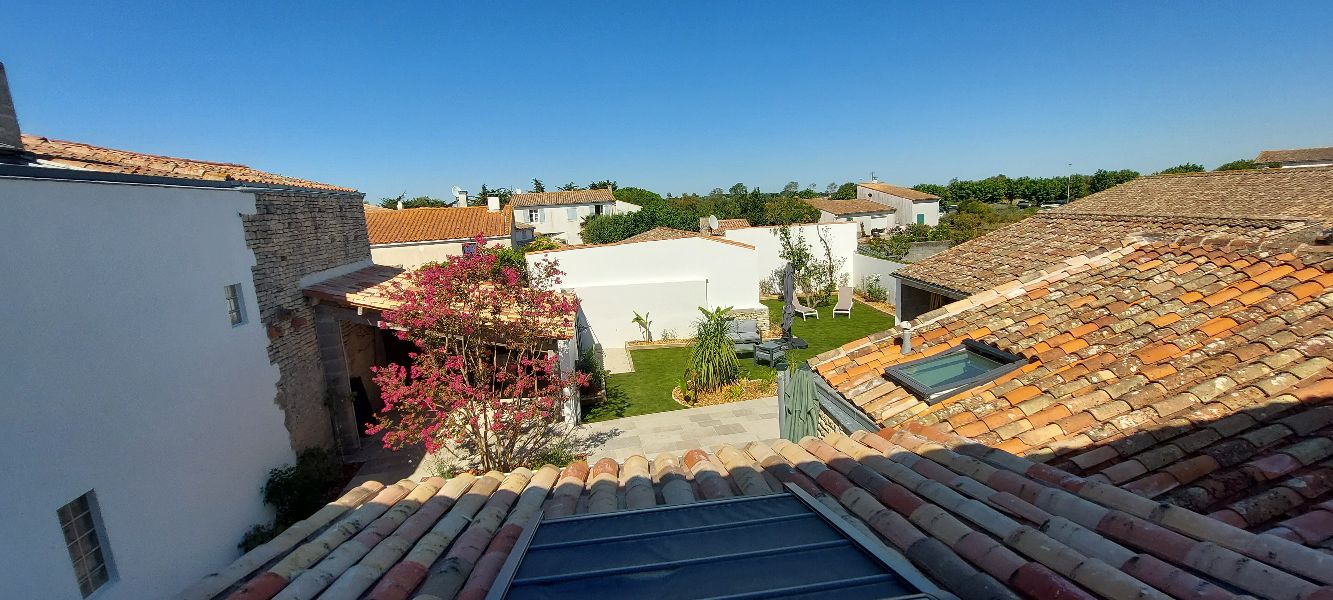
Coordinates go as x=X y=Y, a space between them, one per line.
x=432 y=224
x=898 y=191
x=849 y=207
x=561 y=198
x=108 y=160
x=1295 y=155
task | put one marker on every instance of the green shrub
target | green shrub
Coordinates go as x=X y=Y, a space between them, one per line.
x=713 y=361
x=873 y=289
x=589 y=362
x=296 y=492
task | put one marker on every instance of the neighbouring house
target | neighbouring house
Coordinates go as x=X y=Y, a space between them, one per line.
x=1299 y=157
x=873 y=217
x=161 y=357
x=1194 y=372
x=1162 y=428
x=1260 y=204
x=912 y=206
x=560 y=214
x=411 y=237
x=666 y=273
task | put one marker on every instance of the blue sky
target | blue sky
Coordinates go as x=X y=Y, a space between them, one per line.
x=675 y=96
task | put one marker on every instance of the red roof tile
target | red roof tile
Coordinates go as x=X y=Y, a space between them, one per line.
x=108 y=160
x=433 y=224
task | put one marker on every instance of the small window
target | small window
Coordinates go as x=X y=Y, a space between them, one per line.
x=235 y=304
x=937 y=377
x=598 y=209
x=572 y=213
x=87 y=551
x=534 y=215
x=921 y=218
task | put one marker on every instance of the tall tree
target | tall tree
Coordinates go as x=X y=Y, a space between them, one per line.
x=791 y=188
x=569 y=187
x=846 y=191
x=417 y=202
x=605 y=184
x=537 y=186
x=1238 y=165
x=483 y=377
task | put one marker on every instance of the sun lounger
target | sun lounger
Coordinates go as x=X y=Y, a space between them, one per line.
x=844 y=302
x=803 y=310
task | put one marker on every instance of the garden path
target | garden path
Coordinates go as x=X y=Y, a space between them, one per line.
x=678 y=431
x=617 y=360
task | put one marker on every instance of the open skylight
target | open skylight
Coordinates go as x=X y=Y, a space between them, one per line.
x=968 y=365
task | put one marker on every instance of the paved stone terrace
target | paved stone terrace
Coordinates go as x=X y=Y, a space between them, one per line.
x=678 y=431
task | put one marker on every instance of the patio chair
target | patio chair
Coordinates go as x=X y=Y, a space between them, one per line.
x=745 y=334
x=803 y=310
x=844 y=302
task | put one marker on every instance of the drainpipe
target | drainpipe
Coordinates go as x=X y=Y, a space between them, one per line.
x=907 y=338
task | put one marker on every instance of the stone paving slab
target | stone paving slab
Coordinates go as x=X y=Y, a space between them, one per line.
x=677 y=431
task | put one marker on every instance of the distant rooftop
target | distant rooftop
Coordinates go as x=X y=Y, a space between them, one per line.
x=898 y=191
x=849 y=207
x=561 y=198
x=436 y=224
x=1295 y=155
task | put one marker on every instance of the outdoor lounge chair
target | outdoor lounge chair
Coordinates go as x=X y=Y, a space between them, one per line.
x=803 y=310
x=844 y=302
x=745 y=334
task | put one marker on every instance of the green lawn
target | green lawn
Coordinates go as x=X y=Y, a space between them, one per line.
x=648 y=389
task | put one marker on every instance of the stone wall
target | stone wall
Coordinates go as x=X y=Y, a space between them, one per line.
x=294 y=234
x=757 y=314
x=826 y=424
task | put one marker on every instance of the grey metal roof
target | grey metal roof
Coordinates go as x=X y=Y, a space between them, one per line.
x=775 y=546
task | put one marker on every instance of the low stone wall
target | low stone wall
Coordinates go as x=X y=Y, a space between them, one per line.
x=757 y=314
x=826 y=424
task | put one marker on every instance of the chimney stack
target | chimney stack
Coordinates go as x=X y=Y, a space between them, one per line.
x=907 y=338
x=493 y=203
x=10 y=141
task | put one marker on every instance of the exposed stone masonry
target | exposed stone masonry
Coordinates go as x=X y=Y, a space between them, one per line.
x=294 y=234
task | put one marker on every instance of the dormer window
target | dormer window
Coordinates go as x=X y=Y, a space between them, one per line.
x=966 y=366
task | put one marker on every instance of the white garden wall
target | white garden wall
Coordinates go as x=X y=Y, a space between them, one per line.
x=668 y=278
x=868 y=266
x=842 y=238
x=124 y=376
x=411 y=255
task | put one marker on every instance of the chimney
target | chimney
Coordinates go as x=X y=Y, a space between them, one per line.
x=492 y=203
x=400 y=205
x=907 y=338
x=460 y=197
x=9 y=120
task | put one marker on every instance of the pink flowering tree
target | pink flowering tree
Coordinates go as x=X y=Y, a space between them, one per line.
x=486 y=376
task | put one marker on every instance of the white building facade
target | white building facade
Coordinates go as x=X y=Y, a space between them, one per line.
x=561 y=214
x=139 y=380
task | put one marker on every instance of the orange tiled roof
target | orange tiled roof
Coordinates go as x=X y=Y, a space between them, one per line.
x=979 y=522
x=722 y=225
x=108 y=160
x=1295 y=155
x=1048 y=238
x=1190 y=372
x=558 y=198
x=1263 y=204
x=660 y=233
x=849 y=207
x=431 y=224
x=898 y=191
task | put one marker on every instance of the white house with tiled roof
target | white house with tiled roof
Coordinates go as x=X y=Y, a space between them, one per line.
x=561 y=214
x=411 y=237
x=911 y=206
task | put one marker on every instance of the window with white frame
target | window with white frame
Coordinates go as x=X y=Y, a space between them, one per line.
x=235 y=304
x=534 y=215
x=572 y=213
x=88 y=553
x=598 y=209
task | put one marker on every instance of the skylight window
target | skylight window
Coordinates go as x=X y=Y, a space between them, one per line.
x=937 y=377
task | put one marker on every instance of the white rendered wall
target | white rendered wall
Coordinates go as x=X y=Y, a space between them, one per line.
x=556 y=220
x=668 y=278
x=869 y=266
x=123 y=375
x=413 y=255
x=868 y=223
x=842 y=238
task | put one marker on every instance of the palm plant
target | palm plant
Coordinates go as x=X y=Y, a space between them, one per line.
x=644 y=324
x=713 y=362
